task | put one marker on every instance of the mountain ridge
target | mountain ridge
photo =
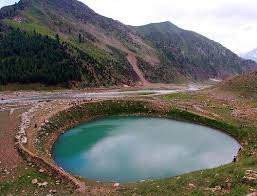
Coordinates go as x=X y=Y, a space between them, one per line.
x=165 y=53
x=252 y=55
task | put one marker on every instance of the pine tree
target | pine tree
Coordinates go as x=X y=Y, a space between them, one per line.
x=80 y=38
x=57 y=38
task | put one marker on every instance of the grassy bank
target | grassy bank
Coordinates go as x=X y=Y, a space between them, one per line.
x=26 y=87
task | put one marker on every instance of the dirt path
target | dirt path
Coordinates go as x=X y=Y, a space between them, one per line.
x=43 y=112
x=9 y=156
x=133 y=61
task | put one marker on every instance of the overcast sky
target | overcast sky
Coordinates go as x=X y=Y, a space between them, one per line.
x=233 y=23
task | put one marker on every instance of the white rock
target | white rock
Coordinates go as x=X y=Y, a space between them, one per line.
x=34 y=181
x=191 y=185
x=24 y=140
x=44 y=184
x=116 y=185
x=41 y=171
x=252 y=194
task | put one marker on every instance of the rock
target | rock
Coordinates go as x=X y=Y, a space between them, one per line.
x=116 y=185
x=250 y=171
x=252 y=194
x=216 y=189
x=191 y=185
x=249 y=178
x=41 y=171
x=34 y=181
x=53 y=191
x=24 y=140
x=44 y=184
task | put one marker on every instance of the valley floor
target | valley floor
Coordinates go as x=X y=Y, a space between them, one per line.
x=19 y=177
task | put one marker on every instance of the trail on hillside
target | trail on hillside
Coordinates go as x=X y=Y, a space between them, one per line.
x=133 y=61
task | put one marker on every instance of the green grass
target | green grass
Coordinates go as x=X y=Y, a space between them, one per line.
x=22 y=184
x=30 y=27
x=25 y=87
x=180 y=96
x=232 y=173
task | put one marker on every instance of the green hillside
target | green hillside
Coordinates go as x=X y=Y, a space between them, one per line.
x=97 y=48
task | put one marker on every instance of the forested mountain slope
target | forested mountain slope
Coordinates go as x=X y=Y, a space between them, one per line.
x=92 y=50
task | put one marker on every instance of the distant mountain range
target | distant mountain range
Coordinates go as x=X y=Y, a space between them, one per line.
x=66 y=42
x=252 y=55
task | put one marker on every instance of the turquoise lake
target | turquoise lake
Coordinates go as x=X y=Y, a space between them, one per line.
x=128 y=149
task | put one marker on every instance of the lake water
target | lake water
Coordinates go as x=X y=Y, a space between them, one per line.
x=127 y=149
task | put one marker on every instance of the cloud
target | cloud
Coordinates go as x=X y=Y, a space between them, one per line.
x=7 y=2
x=222 y=21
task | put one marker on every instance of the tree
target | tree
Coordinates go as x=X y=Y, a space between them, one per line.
x=29 y=58
x=80 y=38
x=57 y=38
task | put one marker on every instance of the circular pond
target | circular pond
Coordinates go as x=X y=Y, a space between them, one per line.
x=127 y=149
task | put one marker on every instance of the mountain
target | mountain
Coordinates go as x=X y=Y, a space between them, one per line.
x=91 y=50
x=252 y=55
x=192 y=54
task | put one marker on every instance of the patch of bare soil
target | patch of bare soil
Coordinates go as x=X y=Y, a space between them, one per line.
x=41 y=115
x=243 y=108
x=133 y=61
x=9 y=121
x=248 y=114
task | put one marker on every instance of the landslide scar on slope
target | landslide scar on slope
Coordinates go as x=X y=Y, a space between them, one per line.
x=133 y=61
